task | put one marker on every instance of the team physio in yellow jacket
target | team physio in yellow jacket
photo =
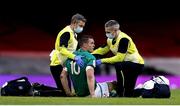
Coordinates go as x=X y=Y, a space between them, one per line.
x=66 y=43
x=127 y=60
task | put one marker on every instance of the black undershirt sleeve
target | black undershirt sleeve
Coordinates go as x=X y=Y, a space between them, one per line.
x=123 y=45
x=64 y=39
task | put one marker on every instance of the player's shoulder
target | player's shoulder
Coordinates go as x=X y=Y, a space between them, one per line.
x=89 y=55
x=85 y=54
x=92 y=56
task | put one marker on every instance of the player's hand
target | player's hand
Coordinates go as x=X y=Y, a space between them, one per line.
x=71 y=95
x=98 y=62
x=93 y=96
x=79 y=61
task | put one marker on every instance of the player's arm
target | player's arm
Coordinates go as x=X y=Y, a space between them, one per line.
x=64 y=39
x=64 y=82
x=90 y=80
x=119 y=57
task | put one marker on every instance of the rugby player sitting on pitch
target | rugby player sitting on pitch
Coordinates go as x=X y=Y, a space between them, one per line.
x=83 y=78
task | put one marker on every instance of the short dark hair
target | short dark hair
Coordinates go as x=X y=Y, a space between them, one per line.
x=78 y=17
x=111 y=23
x=84 y=39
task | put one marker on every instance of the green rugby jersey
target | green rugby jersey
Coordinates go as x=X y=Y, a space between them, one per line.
x=78 y=74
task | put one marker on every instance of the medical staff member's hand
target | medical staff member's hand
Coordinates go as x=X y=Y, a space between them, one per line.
x=79 y=61
x=98 y=62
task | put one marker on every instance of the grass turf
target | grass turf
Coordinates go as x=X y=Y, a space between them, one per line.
x=174 y=99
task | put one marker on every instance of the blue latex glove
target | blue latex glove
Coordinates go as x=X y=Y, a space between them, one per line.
x=98 y=62
x=79 y=61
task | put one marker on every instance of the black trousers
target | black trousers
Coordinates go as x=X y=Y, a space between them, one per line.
x=56 y=72
x=127 y=74
x=46 y=91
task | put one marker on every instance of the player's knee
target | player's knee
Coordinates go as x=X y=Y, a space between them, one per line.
x=112 y=85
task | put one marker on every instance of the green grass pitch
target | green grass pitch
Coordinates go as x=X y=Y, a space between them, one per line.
x=174 y=100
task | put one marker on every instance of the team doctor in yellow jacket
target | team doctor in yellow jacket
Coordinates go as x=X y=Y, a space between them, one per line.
x=127 y=60
x=66 y=43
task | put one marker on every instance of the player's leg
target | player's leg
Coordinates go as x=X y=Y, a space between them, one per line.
x=102 y=90
x=105 y=88
x=112 y=85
